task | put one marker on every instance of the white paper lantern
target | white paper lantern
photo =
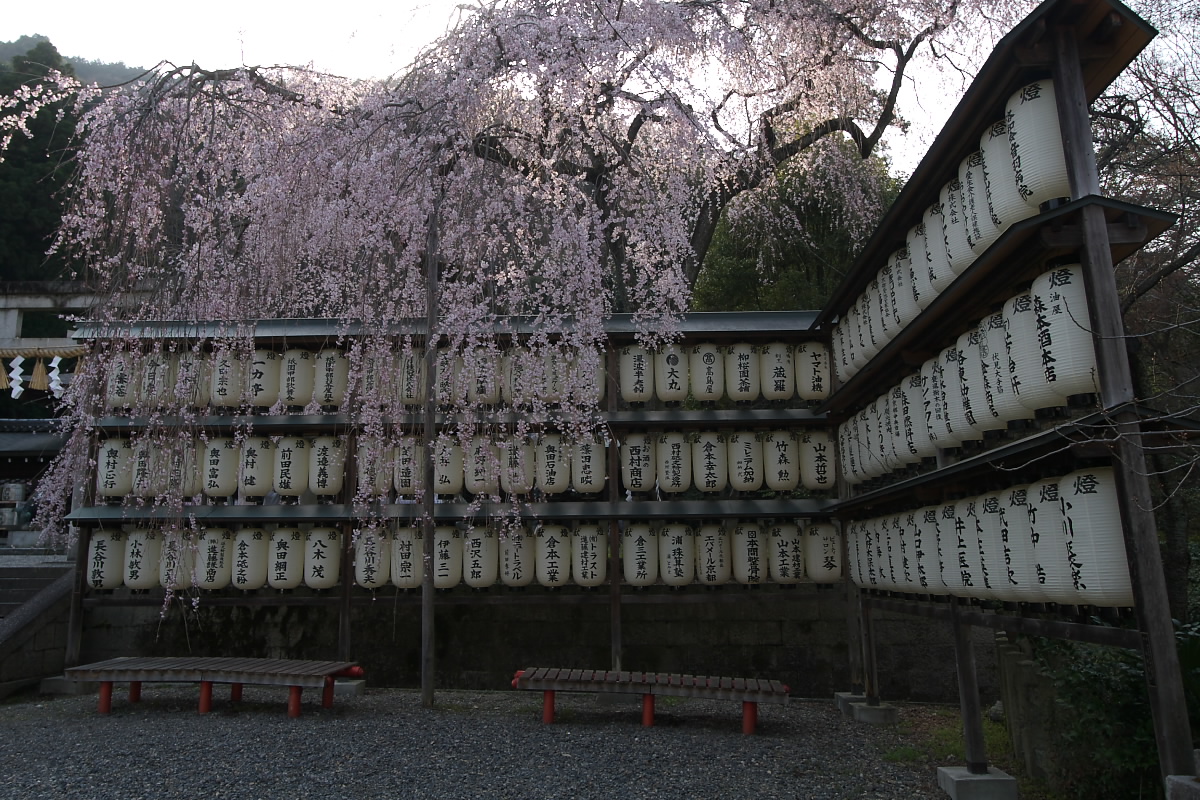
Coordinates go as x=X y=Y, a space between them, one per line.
x=1036 y=144
x=840 y=355
x=982 y=228
x=674 y=454
x=750 y=548
x=297 y=375
x=745 y=461
x=958 y=427
x=193 y=378
x=447 y=466
x=257 y=468
x=515 y=385
x=1017 y=535
x=742 y=383
x=377 y=385
x=449 y=378
x=710 y=461
x=447 y=557
x=251 y=548
x=584 y=377
x=327 y=466
x=322 y=558
x=671 y=374
x=589 y=555
x=919 y=406
x=781 y=461
x=375 y=465
x=517 y=557
x=816 y=460
x=812 y=370
x=1049 y=546
x=553 y=464
x=785 y=553
x=123 y=383
x=409 y=474
x=637 y=374
x=889 y=311
x=588 y=459
x=713 y=565
x=182 y=472
x=482 y=469
x=923 y=561
x=777 y=371
x=639 y=555
x=954 y=222
x=941 y=274
x=483 y=368
x=904 y=281
x=106 y=559
x=262 y=378
x=906 y=420
x=935 y=403
x=517 y=466
x=972 y=385
x=1065 y=355
x=904 y=561
x=480 y=558
x=1004 y=196
x=1026 y=375
x=922 y=274
x=869 y=310
x=219 y=467
x=214 y=558
x=1095 y=545
x=934 y=560
x=989 y=517
x=291 y=466
x=149 y=477
x=412 y=377
x=552 y=387
x=639 y=463
x=854 y=551
x=177 y=566
x=677 y=554
x=373 y=558
x=228 y=378
x=408 y=557
x=553 y=555
x=157 y=380
x=143 y=552
x=1002 y=403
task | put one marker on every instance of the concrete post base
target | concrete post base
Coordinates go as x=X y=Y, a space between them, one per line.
x=1183 y=787
x=60 y=684
x=844 y=699
x=882 y=714
x=963 y=785
x=344 y=687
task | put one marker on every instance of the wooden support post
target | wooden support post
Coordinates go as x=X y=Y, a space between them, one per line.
x=344 y=639
x=327 y=692
x=548 y=706
x=135 y=691
x=104 y=702
x=235 y=693
x=854 y=635
x=1163 y=676
x=647 y=710
x=427 y=439
x=75 y=614
x=871 y=673
x=614 y=528
x=968 y=694
x=749 y=717
x=294 y=695
x=205 y=696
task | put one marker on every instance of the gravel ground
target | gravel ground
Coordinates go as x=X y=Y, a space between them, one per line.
x=473 y=745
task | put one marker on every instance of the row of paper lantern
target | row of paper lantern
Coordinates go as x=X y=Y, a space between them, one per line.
x=290 y=466
x=1034 y=354
x=298 y=377
x=1057 y=540
x=741 y=372
x=286 y=558
x=1020 y=165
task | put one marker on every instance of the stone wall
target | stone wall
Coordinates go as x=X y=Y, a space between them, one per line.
x=798 y=637
x=33 y=639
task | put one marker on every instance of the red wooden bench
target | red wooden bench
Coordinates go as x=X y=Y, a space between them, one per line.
x=749 y=691
x=296 y=675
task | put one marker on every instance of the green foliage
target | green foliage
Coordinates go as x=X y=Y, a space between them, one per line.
x=1103 y=716
x=31 y=176
x=787 y=245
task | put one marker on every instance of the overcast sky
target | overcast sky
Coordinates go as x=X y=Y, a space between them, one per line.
x=354 y=38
